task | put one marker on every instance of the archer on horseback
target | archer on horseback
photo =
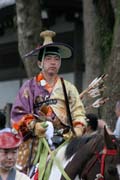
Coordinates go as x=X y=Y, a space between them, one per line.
x=47 y=97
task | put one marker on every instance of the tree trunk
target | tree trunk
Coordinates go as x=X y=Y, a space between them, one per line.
x=113 y=70
x=29 y=27
x=92 y=57
x=114 y=2
x=79 y=55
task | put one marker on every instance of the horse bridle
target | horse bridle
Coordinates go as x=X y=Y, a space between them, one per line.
x=100 y=155
x=106 y=152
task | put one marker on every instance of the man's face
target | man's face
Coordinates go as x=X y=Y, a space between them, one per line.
x=8 y=158
x=51 y=64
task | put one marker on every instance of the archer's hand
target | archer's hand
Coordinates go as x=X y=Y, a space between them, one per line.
x=78 y=131
x=40 y=129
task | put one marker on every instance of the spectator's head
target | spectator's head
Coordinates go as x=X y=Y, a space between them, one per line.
x=117 y=109
x=9 y=143
x=2 y=120
x=92 y=122
x=8 y=139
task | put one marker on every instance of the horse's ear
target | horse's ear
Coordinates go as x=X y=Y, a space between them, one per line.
x=107 y=138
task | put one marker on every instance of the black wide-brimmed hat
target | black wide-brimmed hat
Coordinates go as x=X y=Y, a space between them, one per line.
x=64 y=50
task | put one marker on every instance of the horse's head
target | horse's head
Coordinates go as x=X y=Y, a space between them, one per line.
x=111 y=155
x=99 y=158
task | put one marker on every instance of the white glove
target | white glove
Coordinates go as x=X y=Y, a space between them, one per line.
x=49 y=132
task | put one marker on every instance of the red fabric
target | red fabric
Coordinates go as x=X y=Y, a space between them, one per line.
x=76 y=123
x=36 y=175
x=22 y=124
x=106 y=152
x=40 y=77
x=9 y=140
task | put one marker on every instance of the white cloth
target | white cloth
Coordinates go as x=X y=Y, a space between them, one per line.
x=21 y=176
x=55 y=173
x=49 y=132
x=6 y=130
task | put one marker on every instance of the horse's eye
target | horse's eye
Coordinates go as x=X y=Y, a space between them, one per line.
x=112 y=170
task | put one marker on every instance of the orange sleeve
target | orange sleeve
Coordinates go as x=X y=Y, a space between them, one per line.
x=22 y=124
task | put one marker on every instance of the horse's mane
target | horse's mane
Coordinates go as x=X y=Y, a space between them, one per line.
x=77 y=142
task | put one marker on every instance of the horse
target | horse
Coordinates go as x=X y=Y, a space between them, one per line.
x=89 y=157
x=95 y=158
x=66 y=153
